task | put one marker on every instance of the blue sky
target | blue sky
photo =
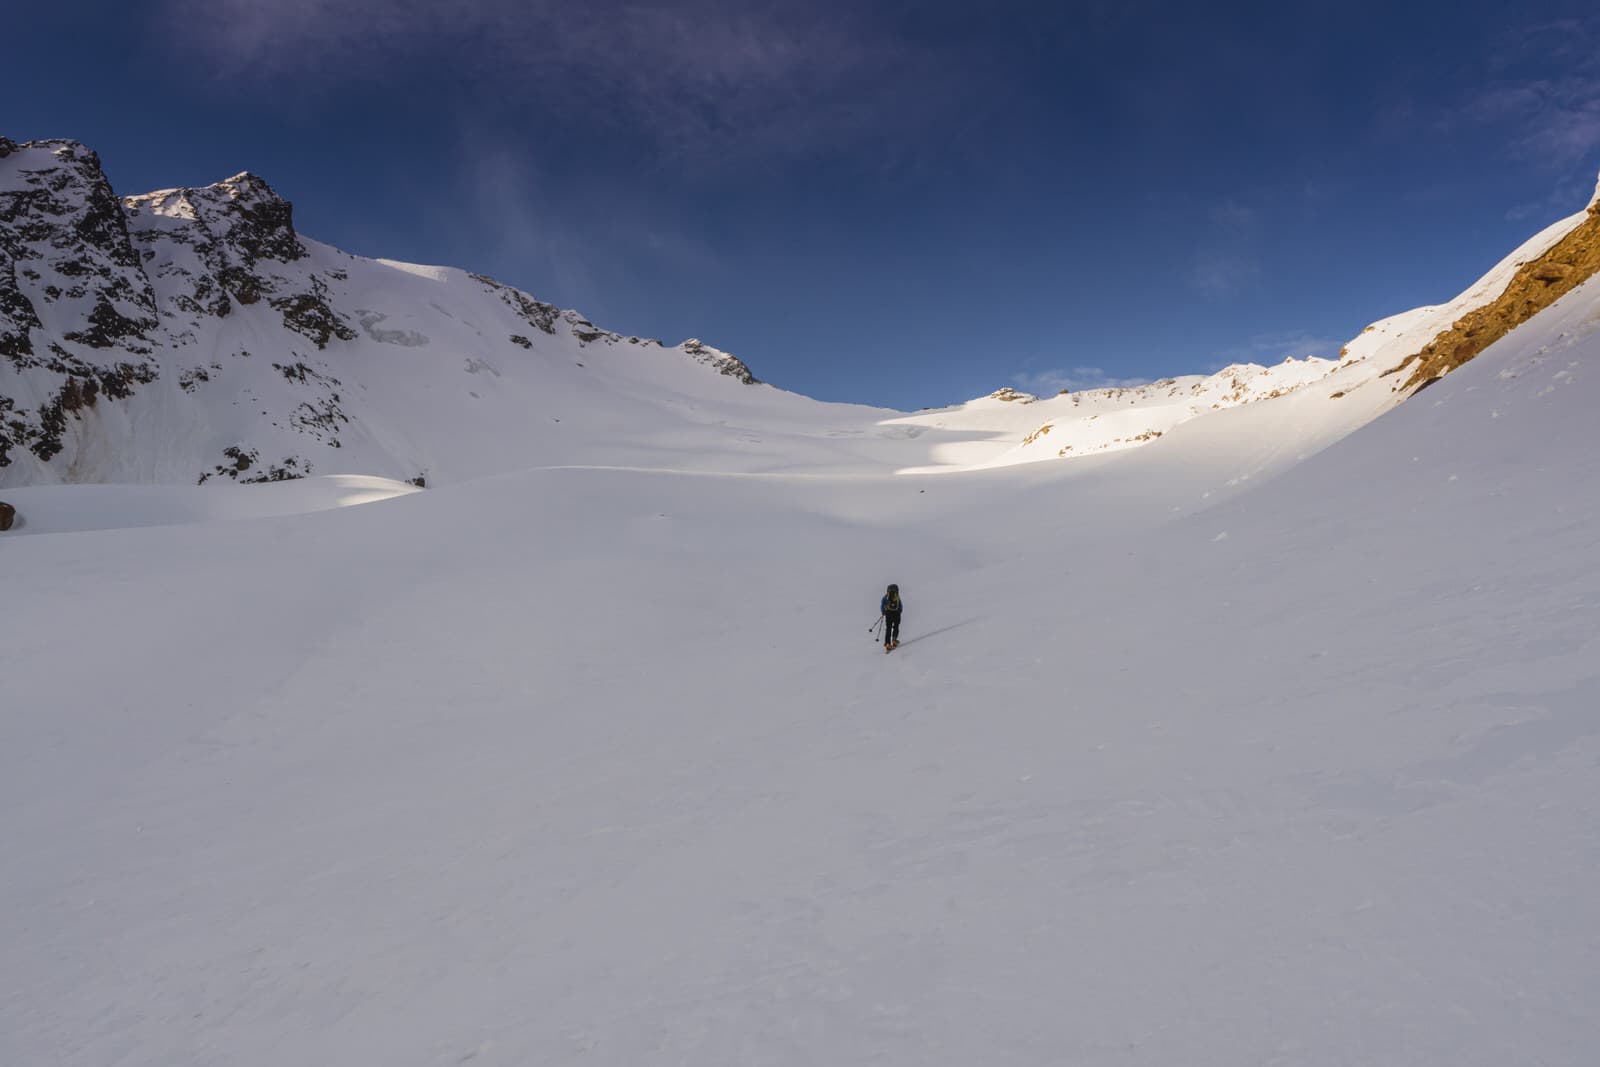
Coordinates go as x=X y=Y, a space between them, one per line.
x=898 y=203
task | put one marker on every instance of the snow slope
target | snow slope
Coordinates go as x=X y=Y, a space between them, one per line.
x=591 y=762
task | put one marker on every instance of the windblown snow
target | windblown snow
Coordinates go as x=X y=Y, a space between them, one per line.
x=1254 y=728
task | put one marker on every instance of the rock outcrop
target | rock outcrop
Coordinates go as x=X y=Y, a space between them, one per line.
x=8 y=515
x=77 y=315
x=724 y=363
x=1536 y=285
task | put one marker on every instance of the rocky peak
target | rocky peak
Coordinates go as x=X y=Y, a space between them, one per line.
x=211 y=247
x=723 y=362
x=64 y=243
x=243 y=213
x=48 y=186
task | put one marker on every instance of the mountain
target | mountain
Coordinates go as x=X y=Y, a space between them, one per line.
x=588 y=761
x=193 y=335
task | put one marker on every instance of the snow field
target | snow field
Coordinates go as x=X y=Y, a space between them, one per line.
x=1207 y=753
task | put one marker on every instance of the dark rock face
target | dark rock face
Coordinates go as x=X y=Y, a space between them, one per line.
x=244 y=466
x=308 y=314
x=65 y=249
x=8 y=514
x=732 y=366
x=256 y=221
x=227 y=243
x=59 y=219
x=535 y=313
x=18 y=320
x=119 y=279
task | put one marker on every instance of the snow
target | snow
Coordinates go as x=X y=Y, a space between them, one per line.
x=1257 y=726
x=64 y=508
x=1018 y=428
x=1270 y=742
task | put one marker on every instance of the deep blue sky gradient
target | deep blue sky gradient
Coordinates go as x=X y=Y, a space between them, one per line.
x=898 y=203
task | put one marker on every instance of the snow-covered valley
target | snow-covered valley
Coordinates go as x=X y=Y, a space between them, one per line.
x=1272 y=740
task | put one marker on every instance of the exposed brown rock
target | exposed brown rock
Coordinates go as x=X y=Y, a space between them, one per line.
x=8 y=515
x=1535 y=286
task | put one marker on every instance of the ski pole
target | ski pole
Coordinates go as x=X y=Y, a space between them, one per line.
x=873 y=628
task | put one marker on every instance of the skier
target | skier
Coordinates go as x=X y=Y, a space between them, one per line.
x=891 y=605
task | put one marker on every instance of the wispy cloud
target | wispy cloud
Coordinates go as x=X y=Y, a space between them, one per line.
x=1075 y=379
x=1563 y=198
x=699 y=79
x=1233 y=219
x=1222 y=273
x=1558 y=120
x=1227 y=264
x=511 y=216
x=572 y=246
x=1546 y=93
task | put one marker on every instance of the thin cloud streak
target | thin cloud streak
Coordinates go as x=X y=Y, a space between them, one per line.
x=1223 y=274
x=568 y=247
x=1559 y=120
x=1556 y=119
x=703 y=80
x=1228 y=264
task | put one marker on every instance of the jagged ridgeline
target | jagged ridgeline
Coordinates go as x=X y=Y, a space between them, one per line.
x=190 y=334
